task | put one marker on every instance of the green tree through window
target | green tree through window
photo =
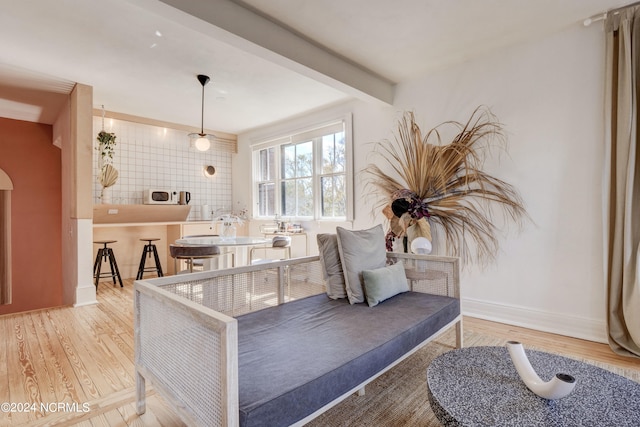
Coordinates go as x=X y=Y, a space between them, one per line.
x=297 y=182
x=332 y=178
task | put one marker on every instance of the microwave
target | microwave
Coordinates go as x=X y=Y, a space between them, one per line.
x=160 y=197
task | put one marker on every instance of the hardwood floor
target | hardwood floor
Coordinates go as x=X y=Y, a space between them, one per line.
x=571 y=347
x=83 y=358
x=80 y=356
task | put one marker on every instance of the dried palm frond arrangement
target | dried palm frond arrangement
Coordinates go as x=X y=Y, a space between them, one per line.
x=424 y=183
x=108 y=176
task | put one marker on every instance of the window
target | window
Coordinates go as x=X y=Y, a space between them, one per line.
x=306 y=175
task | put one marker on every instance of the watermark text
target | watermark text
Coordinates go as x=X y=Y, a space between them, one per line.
x=47 y=408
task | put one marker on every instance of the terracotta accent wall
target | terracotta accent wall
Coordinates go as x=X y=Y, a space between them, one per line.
x=33 y=163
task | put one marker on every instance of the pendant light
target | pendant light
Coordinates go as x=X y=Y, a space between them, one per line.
x=201 y=141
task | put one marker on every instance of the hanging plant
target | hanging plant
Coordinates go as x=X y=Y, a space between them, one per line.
x=106 y=146
x=424 y=183
x=108 y=174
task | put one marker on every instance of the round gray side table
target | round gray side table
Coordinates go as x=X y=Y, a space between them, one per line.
x=479 y=386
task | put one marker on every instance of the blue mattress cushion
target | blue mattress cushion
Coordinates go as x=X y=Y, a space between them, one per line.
x=297 y=357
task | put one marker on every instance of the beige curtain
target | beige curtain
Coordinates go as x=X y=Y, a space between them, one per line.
x=622 y=181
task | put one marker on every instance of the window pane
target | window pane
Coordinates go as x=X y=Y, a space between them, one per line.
x=304 y=159
x=305 y=197
x=267 y=165
x=297 y=160
x=333 y=153
x=334 y=196
x=289 y=198
x=288 y=161
x=297 y=197
x=266 y=202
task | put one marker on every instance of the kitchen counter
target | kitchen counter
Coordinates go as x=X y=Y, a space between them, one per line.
x=140 y=214
x=128 y=248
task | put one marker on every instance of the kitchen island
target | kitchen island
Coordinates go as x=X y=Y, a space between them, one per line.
x=134 y=222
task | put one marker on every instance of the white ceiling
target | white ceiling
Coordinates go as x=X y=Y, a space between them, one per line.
x=142 y=56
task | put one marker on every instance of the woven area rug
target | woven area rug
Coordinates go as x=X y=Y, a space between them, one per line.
x=399 y=397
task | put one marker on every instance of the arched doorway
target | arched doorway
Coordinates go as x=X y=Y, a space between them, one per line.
x=5 y=237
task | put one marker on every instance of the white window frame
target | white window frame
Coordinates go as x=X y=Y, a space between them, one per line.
x=295 y=136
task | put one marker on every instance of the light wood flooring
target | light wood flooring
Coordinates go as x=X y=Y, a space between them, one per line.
x=84 y=356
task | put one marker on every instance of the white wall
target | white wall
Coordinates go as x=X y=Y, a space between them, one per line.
x=549 y=96
x=152 y=157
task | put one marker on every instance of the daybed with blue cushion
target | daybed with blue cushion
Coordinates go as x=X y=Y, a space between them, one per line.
x=277 y=344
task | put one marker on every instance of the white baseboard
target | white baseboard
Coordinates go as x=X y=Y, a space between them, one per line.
x=82 y=274
x=557 y=323
x=85 y=295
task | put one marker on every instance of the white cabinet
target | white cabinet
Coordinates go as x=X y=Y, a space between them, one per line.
x=207 y=227
x=197 y=228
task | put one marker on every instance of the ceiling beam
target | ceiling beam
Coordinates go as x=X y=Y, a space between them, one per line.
x=244 y=29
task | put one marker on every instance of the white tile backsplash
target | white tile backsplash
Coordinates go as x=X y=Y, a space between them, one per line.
x=153 y=157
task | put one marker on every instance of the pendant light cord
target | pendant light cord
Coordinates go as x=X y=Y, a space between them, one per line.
x=202 y=113
x=203 y=79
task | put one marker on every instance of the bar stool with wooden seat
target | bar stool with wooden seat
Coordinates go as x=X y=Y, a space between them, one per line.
x=192 y=253
x=106 y=254
x=149 y=249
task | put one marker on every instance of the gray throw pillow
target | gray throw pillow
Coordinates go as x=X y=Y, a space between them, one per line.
x=330 y=261
x=360 y=250
x=383 y=283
